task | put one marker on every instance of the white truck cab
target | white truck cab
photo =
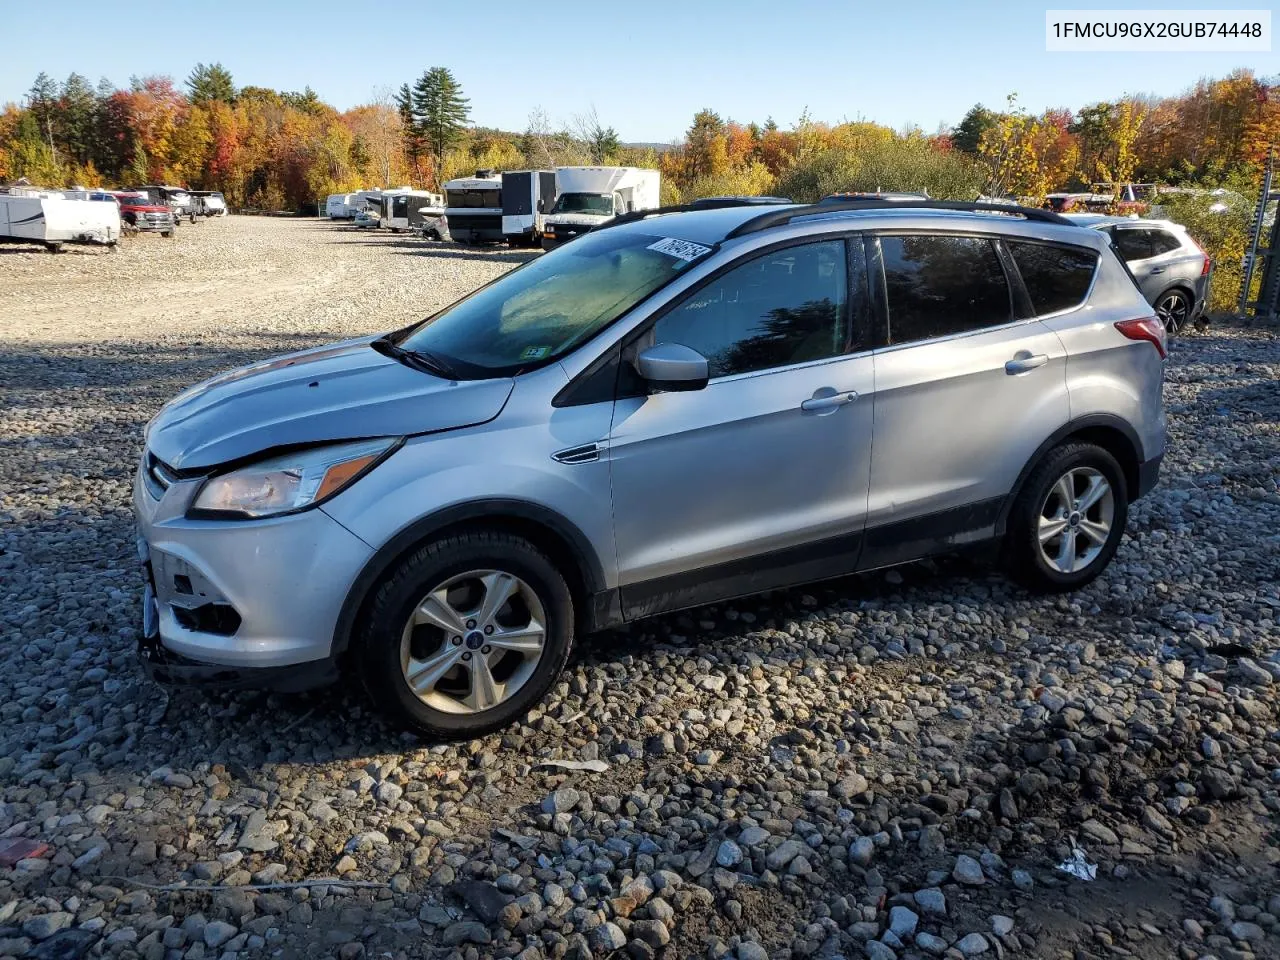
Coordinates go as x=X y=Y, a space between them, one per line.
x=588 y=196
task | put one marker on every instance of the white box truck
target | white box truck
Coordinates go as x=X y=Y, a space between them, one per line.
x=51 y=218
x=588 y=196
x=527 y=196
x=473 y=207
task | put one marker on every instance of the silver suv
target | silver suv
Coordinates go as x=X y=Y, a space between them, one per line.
x=1172 y=270
x=684 y=406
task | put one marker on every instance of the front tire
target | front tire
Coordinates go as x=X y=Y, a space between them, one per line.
x=466 y=635
x=1067 y=522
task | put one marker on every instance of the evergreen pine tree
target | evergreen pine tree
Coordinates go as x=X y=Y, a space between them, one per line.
x=211 y=83
x=440 y=110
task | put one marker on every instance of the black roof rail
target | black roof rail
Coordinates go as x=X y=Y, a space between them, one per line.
x=776 y=218
x=708 y=203
x=711 y=203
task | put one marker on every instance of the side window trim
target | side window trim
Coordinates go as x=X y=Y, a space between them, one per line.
x=641 y=336
x=877 y=295
x=1021 y=305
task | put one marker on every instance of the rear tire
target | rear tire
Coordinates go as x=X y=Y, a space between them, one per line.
x=1174 y=310
x=1067 y=522
x=399 y=643
x=53 y=247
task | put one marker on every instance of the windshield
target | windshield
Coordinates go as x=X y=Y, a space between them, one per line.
x=551 y=305
x=584 y=203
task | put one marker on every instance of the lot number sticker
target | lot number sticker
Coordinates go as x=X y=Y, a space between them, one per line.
x=680 y=249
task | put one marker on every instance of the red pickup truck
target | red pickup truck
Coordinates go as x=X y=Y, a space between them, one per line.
x=139 y=212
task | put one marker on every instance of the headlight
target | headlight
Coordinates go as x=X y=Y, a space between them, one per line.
x=289 y=482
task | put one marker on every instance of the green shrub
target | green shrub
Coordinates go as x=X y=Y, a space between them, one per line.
x=1223 y=233
x=910 y=164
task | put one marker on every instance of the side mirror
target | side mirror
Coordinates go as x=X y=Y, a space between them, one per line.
x=672 y=367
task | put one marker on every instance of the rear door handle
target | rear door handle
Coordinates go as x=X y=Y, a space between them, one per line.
x=828 y=403
x=1025 y=362
x=1155 y=270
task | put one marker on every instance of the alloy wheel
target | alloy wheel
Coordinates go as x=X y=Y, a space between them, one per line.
x=1173 y=309
x=473 y=641
x=1076 y=519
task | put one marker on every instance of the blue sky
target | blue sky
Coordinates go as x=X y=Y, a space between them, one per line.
x=646 y=67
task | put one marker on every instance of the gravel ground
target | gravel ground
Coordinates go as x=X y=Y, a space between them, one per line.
x=881 y=766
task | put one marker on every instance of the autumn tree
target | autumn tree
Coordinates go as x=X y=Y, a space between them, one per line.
x=211 y=83
x=705 y=153
x=1018 y=155
x=379 y=138
x=543 y=145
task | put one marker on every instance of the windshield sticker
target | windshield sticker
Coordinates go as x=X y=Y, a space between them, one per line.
x=534 y=353
x=680 y=249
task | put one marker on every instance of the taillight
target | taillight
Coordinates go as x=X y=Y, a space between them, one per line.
x=1149 y=329
x=1208 y=264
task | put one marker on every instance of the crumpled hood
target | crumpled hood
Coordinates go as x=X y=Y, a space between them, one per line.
x=340 y=392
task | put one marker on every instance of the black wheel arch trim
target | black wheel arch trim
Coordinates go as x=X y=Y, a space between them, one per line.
x=491 y=509
x=1091 y=421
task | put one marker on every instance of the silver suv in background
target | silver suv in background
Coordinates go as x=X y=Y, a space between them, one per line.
x=1171 y=269
x=684 y=406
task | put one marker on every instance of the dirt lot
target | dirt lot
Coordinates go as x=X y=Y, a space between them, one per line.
x=882 y=766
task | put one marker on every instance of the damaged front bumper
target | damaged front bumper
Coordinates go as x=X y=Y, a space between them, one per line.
x=163 y=666
x=239 y=604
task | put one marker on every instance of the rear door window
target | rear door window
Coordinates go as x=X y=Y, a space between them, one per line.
x=1056 y=278
x=1162 y=242
x=938 y=286
x=1131 y=244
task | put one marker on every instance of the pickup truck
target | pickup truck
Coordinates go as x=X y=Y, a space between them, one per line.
x=139 y=213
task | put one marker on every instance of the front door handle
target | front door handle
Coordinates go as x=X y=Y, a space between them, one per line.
x=814 y=404
x=1155 y=270
x=1024 y=361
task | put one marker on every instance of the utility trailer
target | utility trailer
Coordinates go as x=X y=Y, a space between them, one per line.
x=405 y=209
x=339 y=206
x=52 y=219
x=527 y=196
